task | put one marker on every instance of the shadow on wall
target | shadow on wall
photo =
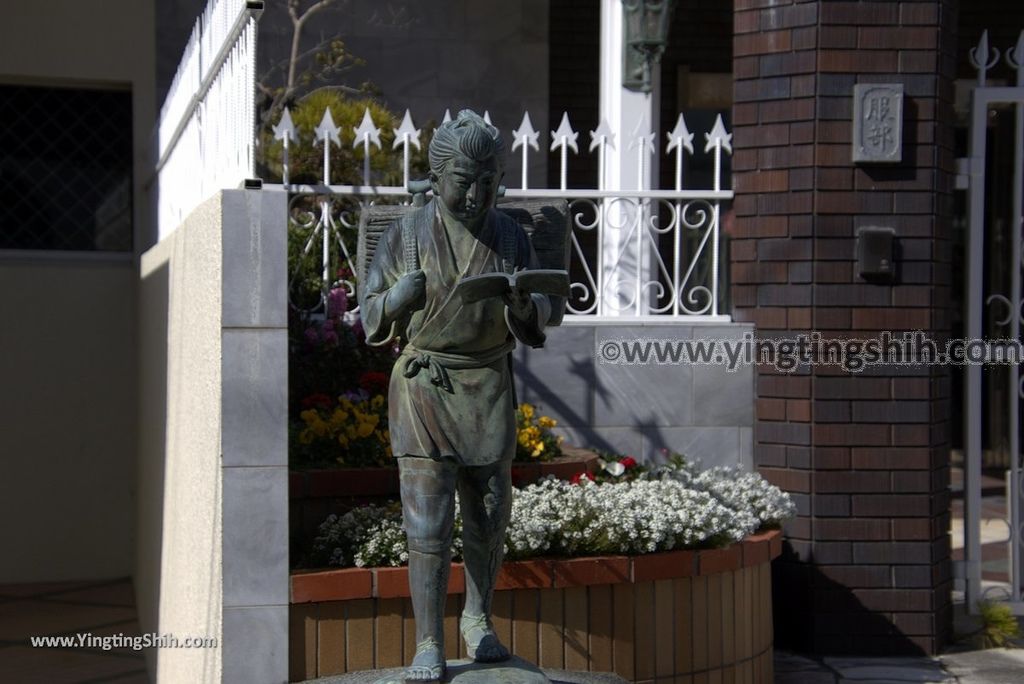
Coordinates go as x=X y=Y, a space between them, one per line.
x=816 y=614
x=702 y=411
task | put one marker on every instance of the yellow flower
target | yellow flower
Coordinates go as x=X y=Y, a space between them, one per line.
x=377 y=402
x=343 y=440
x=527 y=410
x=546 y=422
x=538 y=450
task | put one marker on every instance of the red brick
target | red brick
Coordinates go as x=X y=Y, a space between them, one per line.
x=841 y=529
x=761 y=43
x=891 y=505
x=876 y=37
x=669 y=565
x=526 y=574
x=838 y=37
x=575 y=572
x=394 y=582
x=858 y=61
x=857 y=13
x=331 y=585
x=850 y=434
x=798 y=410
x=746 y=21
x=919 y=13
x=715 y=561
x=788 y=480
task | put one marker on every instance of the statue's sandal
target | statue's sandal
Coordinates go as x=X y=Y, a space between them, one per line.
x=482 y=644
x=428 y=663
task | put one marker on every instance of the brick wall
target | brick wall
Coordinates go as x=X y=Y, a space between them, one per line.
x=867 y=568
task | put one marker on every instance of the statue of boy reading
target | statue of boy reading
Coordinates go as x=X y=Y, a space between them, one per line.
x=451 y=398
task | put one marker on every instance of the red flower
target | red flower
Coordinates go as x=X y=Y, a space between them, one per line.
x=319 y=400
x=578 y=477
x=628 y=462
x=373 y=382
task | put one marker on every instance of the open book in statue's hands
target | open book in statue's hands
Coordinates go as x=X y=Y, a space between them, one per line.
x=548 y=281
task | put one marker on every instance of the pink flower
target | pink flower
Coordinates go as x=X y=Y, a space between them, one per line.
x=328 y=324
x=337 y=302
x=311 y=335
x=330 y=337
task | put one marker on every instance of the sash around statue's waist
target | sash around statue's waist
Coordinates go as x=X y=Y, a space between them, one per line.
x=439 y=363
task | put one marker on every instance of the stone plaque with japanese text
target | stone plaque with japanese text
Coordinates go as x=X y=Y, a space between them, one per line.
x=878 y=123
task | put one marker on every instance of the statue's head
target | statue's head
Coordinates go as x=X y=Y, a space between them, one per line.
x=466 y=166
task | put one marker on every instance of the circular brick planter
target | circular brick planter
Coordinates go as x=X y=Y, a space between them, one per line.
x=644 y=617
x=315 y=494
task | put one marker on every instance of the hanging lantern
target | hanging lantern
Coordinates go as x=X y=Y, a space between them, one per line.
x=646 y=24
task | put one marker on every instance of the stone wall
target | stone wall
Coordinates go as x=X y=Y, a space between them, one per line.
x=702 y=411
x=213 y=489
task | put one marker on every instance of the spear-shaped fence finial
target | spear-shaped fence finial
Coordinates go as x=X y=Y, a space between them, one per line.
x=367 y=133
x=526 y=138
x=680 y=139
x=1015 y=58
x=979 y=57
x=717 y=140
x=406 y=134
x=285 y=132
x=327 y=132
x=565 y=138
x=602 y=138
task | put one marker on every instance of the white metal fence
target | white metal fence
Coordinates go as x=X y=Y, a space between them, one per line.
x=986 y=577
x=206 y=135
x=635 y=253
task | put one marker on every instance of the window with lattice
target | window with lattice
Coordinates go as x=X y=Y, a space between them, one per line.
x=65 y=169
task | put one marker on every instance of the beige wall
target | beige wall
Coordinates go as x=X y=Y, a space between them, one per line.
x=178 y=574
x=67 y=338
x=67 y=419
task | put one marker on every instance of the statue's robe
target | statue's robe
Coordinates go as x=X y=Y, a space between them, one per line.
x=451 y=393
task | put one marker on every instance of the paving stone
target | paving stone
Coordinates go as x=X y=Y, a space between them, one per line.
x=932 y=672
x=995 y=666
x=805 y=677
x=791 y=662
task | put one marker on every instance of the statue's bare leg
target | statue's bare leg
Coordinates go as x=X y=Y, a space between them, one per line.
x=485 y=494
x=428 y=509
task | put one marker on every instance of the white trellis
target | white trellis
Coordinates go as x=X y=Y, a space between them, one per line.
x=206 y=131
x=656 y=221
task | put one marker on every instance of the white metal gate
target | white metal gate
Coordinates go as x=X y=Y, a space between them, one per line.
x=983 y=99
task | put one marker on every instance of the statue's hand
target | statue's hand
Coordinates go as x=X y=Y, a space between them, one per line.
x=409 y=293
x=519 y=303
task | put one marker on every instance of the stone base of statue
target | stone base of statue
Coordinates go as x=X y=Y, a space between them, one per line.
x=512 y=671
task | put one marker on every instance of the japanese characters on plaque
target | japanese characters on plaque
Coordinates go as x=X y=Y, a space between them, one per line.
x=878 y=122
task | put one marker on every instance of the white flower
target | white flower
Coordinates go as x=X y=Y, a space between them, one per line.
x=677 y=506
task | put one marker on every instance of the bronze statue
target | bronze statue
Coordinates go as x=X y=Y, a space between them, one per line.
x=451 y=397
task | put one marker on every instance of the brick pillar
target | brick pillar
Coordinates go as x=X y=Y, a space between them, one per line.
x=866 y=455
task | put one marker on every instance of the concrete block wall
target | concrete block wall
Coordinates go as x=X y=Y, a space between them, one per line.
x=212 y=556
